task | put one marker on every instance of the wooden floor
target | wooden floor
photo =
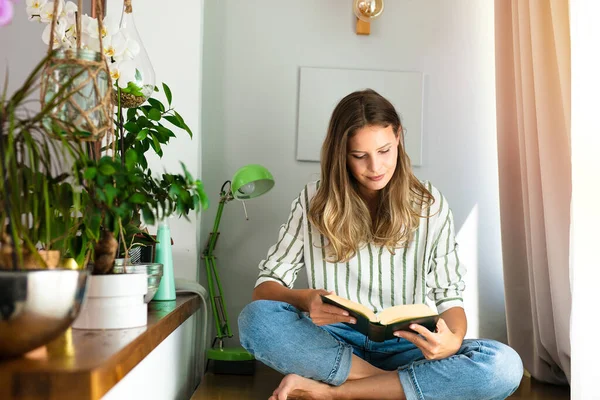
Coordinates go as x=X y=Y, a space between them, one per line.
x=261 y=385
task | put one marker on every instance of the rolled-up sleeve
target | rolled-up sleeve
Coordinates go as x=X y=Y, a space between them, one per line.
x=285 y=259
x=446 y=272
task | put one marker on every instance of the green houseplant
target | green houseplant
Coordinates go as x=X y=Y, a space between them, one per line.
x=36 y=196
x=36 y=200
x=120 y=189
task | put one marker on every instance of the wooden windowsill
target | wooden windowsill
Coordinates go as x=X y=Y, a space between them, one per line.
x=85 y=364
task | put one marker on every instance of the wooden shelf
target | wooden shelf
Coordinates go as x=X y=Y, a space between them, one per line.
x=84 y=364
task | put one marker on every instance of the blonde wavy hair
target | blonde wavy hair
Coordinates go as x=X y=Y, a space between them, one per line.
x=337 y=209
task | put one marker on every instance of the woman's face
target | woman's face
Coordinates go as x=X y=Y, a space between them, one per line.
x=372 y=155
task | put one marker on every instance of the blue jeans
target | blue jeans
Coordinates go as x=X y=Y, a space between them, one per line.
x=284 y=338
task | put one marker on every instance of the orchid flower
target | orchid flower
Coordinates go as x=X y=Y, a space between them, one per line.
x=132 y=49
x=115 y=46
x=123 y=72
x=6 y=12
x=69 y=10
x=48 y=10
x=89 y=28
x=34 y=9
x=109 y=27
x=59 y=33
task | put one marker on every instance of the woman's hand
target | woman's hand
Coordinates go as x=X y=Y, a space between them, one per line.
x=325 y=314
x=435 y=345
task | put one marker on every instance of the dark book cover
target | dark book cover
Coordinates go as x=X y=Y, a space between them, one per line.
x=378 y=332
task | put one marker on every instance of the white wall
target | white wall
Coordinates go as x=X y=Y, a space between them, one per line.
x=21 y=48
x=252 y=54
x=172 y=35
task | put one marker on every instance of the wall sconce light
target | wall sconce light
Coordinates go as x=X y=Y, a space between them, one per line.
x=366 y=11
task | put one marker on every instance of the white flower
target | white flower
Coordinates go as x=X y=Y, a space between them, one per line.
x=69 y=41
x=89 y=28
x=109 y=26
x=114 y=46
x=122 y=72
x=132 y=49
x=48 y=10
x=34 y=9
x=89 y=24
x=59 y=34
x=128 y=48
x=69 y=10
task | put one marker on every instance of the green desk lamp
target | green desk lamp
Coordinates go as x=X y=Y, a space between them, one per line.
x=248 y=182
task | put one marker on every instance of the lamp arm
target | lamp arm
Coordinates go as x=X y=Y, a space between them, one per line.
x=214 y=235
x=216 y=293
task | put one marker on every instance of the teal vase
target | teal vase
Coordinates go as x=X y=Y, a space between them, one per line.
x=164 y=255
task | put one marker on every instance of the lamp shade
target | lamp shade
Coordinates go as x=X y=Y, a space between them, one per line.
x=251 y=181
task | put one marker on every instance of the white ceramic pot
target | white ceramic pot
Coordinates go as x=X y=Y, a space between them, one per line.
x=114 y=302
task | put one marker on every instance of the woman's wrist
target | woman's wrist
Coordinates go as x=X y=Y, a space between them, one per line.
x=304 y=299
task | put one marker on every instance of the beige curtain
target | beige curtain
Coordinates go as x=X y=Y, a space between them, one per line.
x=534 y=112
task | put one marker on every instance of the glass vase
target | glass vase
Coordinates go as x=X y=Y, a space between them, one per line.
x=77 y=83
x=132 y=72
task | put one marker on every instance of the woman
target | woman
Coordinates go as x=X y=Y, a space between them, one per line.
x=369 y=231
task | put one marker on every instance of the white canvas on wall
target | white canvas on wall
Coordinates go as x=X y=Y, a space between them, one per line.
x=322 y=88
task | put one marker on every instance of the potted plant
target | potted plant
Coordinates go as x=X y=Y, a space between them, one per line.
x=120 y=188
x=36 y=199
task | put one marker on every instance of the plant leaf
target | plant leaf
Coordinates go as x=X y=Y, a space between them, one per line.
x=156 y=104
x=131 y=158
x=188 y=130
x=107 y=169
x=90 y=173
x=111 y=193
x=167 y=93
x=174 y=120
x=131 y=113
x=132 y=127
x=154 y=114
x=148 y=215
x=137 y=198
x=143 y=134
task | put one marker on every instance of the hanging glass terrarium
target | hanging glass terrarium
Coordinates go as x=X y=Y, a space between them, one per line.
x=130 y=66
x=76 y=86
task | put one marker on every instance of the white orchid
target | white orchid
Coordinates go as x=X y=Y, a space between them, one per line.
x=59 y=34
x=118 y=48
x=48 y=10
x=69 y=11
x=89 y=28
x=109 y=27
x=34 y=9
x=115 y=46
x=132 y=49
x=123 y=72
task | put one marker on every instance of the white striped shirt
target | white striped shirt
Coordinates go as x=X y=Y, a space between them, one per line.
x=374 y=277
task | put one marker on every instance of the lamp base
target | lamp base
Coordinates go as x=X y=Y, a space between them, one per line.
x=232 y=361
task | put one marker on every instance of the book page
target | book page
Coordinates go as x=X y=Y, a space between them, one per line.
x=354 y=306
x=404 y=312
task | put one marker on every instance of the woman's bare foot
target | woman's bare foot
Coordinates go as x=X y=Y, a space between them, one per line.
x=296 y=387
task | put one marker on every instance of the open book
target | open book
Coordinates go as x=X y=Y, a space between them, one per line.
x=381 y=327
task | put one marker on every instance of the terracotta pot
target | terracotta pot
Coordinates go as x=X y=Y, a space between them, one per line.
x=50 y=257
